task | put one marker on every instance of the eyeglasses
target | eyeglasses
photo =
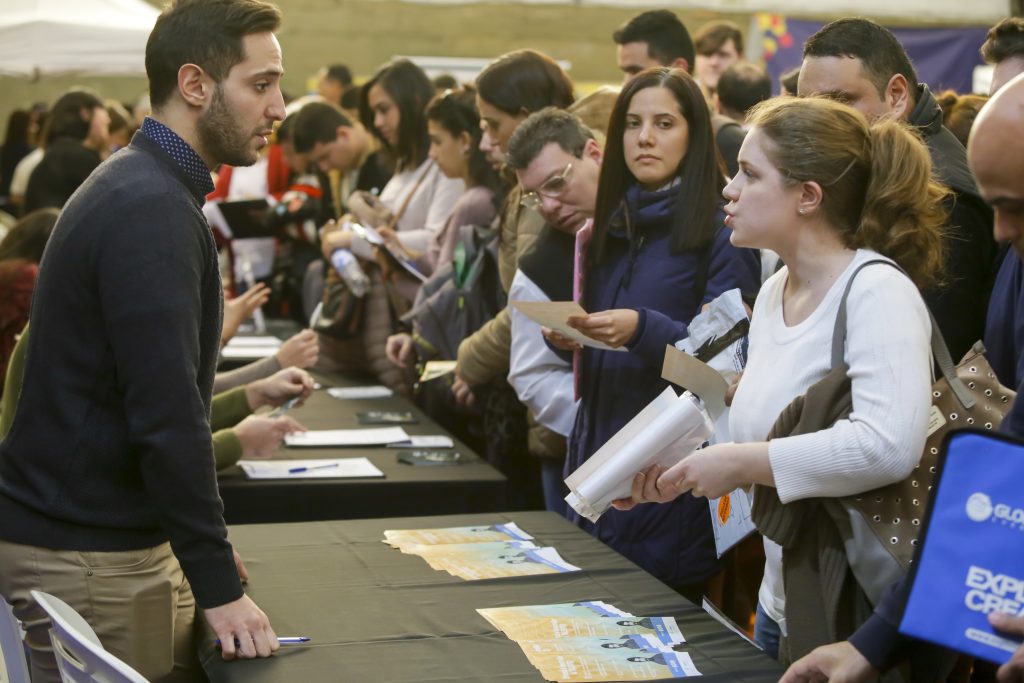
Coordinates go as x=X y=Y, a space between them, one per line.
x=551 y=188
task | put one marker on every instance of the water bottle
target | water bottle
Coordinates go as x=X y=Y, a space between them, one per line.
x=351 y=272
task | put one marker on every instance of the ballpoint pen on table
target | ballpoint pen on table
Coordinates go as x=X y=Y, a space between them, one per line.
x=284 y=407
x=296 y=470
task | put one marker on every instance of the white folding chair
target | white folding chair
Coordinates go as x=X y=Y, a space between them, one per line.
x=80 y=656
x=15 y=667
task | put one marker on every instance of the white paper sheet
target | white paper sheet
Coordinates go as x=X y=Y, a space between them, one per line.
x=685 y=371
x=429 y=441
x=351 y=393
x=666 y=431
x=339 y=468
x=345 y=437
x=259 y=340
x=231 y=352
x=553 y=315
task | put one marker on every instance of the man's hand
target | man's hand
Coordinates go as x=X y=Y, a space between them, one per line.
x=559 y=340
x=243 y=629
x=835 y=663
x=239 y=309
x=301 y=350
x=462 y=391
x=614 y=327
x=1013 y=670
x=260 y=436
x=399 y=349
x=279 y=388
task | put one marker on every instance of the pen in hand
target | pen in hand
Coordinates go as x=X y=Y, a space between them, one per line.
x=291 y=640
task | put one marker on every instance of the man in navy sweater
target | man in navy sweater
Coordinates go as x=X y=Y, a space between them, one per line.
x=108 y=496
x=996 y=152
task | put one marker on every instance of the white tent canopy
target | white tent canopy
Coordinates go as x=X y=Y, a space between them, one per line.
x=48 y=37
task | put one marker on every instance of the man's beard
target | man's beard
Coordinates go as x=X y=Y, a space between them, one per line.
x=221 y=138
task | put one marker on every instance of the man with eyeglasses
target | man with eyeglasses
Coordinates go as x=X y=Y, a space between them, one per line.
x=557 y=162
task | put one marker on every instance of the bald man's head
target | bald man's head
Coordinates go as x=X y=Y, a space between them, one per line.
x=996 y=154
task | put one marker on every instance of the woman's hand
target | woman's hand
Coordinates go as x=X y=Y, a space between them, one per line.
x=614 y=327
x=238 y=310
x=333 y=237
x=462 y=392
x=368 y=209
x=559 y=340
x=399 y=349
x=710 y=472
x=301 y=350
x=279 y=388
x=645 y=490
x=260 y=435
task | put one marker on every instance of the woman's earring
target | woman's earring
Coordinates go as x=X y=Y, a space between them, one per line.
x=801 y=211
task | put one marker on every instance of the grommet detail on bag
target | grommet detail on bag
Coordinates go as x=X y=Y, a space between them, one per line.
x=877 y=518
x=970 y=385
x=914 y=483
x=988 y=392
x=915 y=522
x=1003 y=399
x=913 y=541
x=931 y=469
x=896 y=520
x=974 y=369
x=929 y=487
x=936 y=394
x=859 y=499
x=988 y=425
x=878 y=499
x=916 y=502
x=970 y=420
x=894 y=540
x=899 y=500
x=934 y=451
x=953 y=416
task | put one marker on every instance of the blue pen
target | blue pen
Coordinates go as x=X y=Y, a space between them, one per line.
x=296 y=470
x=285 y=407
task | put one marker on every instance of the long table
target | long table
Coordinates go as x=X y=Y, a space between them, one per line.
x=375 y=614
x=405 y=489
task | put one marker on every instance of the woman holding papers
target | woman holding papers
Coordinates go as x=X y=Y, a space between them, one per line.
x=828 y=193
x=658 y=253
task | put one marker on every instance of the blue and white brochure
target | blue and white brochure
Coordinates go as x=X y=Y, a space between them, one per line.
x=972 y=558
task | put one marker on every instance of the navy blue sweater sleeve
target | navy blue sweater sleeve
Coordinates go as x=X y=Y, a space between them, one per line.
x=729 y=267
x=151 y=273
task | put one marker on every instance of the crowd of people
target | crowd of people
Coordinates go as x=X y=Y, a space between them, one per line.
x=404 y=216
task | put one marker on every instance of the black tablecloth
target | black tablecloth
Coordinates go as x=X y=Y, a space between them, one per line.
x=375 y=614
x=405 y=489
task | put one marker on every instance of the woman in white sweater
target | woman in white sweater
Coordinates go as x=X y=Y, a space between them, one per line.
x=827 y=192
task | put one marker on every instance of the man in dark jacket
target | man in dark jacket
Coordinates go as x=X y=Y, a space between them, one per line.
x=997 y=157
x=859 y=63
x=108 y=495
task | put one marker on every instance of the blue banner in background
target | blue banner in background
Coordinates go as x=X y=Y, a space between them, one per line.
x=944 y=57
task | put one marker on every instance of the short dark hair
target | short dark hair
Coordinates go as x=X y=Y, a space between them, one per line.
x=455 y=111
x=880 y=53
x=207 y=33
x=713 y=36
x=666 y=37
x=445 y=82
x=66 y=117
x=1004 y=40
x=743 y=85
x=694 y=224
x=340 y=73
x=524 y=80
x=350 y=97
x=542 y=128
x=316 y=122
x=410 y=89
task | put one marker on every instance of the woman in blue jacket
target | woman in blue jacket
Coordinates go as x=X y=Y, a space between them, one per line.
x=659 y=253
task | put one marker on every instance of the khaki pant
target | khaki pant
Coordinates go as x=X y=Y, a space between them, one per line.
x=138 y=602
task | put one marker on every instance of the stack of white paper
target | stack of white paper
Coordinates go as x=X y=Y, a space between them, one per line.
x=325 y=438
x=666 y=431
x=250 y=348
x=352 y=393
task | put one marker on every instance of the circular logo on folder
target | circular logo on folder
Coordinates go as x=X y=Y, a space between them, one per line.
x=979 y=507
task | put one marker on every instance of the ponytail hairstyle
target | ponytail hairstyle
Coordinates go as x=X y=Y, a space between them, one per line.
x=878 y=191
x=455 y=111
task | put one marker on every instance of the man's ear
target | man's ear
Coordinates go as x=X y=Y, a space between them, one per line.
x=592 y=150
x=680 y=63
x=342 y=133
x=194 y=85
x=898 y=96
